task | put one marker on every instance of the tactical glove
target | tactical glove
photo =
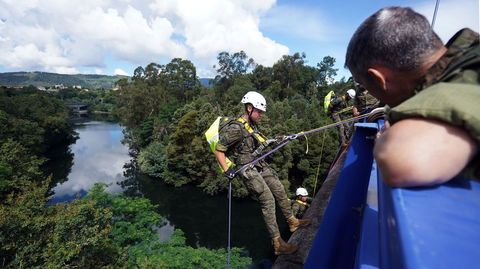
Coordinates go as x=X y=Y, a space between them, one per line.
x=270 y=141
x=230 y=173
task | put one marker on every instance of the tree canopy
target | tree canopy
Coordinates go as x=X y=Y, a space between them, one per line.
x=166 y=127
x=100 y=230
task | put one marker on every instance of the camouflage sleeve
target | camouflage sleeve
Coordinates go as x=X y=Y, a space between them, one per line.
x=296 y=211
x=453 y=103
x=228 y=136
x=295 y=208
x=336 y=101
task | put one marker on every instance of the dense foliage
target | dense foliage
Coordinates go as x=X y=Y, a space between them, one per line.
x=33 y=124
x=99 y=231
x=98 y=100
x=166 y=112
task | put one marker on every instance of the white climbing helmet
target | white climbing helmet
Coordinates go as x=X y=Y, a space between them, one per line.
x=351 y=93
x=302 y=192
x=256 y=99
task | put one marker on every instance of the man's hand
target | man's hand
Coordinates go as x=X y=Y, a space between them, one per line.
x=230 y=173
x=270 y=141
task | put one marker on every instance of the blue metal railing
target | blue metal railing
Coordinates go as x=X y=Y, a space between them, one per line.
x=367 y=224
x=337 y=237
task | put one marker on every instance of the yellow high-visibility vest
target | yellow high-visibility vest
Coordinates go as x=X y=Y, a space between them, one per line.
x=327 y=100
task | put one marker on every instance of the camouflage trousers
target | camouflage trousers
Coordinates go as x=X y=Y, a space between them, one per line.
x=264 y=186
x=344 y=129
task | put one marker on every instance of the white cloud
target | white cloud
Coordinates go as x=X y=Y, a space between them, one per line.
x=120 y=72
x=54 y=35
x=210 y=27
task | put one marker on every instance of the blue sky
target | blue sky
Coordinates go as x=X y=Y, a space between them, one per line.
x=115 y=36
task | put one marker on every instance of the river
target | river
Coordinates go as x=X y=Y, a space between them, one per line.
x=99 y=156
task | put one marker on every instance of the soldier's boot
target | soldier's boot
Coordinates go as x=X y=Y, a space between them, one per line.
x=294 y=223
x=281 y=247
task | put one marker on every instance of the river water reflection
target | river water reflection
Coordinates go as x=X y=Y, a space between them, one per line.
x=99 y=156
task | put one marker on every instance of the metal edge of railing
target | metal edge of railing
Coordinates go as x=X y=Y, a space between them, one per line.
x=335 y=243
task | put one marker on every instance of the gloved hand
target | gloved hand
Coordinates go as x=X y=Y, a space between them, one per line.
x=230 y=173
x=270 y=141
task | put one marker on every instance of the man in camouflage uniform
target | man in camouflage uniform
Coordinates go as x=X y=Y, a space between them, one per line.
x=339 y=109
x=433 y=93
x=238 y=140
x=363 y=102
x=301 y=202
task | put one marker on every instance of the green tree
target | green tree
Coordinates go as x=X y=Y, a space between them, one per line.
x=288 y=69
x=262 y=77
x=180 y=77
x=18 y=168
x=326 y=72
x=230 y=66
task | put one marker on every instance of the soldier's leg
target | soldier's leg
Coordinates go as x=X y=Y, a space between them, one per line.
x=341 y=129
x=348 y=130
x=278 y=191
x=280 y=194
x=259 y=191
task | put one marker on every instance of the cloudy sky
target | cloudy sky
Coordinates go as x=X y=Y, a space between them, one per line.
x=115 y=36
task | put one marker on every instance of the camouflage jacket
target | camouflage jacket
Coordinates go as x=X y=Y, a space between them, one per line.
x=237 y=143
x=450 y=91
x=364 y=102
x=338 y=104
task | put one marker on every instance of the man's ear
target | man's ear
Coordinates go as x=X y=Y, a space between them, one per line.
x=379 y=75
x=249 y=108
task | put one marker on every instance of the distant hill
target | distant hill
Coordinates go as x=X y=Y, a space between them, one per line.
x=45 y=79
x=15 y=79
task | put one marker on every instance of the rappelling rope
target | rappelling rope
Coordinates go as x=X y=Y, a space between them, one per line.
x=229 y=222
x=287 y=139
x=319 y=163
x=437 y=3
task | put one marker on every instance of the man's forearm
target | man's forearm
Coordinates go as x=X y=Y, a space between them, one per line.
x=221 y=159
x=419 y=152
